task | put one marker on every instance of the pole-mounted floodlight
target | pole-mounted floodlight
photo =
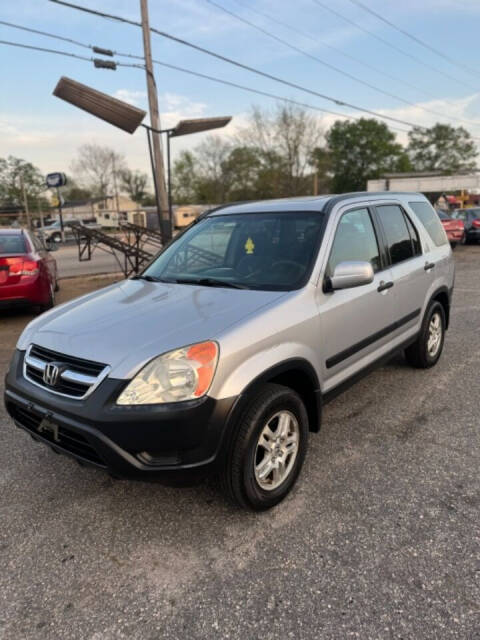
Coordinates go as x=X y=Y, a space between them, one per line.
x=116 y=112
x=185 y=127
x=129 y=118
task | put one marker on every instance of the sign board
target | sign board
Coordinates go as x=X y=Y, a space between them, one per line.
x=56 y=180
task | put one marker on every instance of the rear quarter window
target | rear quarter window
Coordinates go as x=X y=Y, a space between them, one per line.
x=430 y=220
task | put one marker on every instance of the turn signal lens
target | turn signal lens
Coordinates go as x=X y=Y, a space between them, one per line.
x=176 y=376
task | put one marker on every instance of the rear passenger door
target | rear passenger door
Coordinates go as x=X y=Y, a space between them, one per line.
x=355 y=321
x=410 y=274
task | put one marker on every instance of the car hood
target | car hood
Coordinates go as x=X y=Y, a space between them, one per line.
x=127 y=324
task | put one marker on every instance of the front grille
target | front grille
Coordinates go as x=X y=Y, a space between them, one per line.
x=68 y=440
x=77 y=378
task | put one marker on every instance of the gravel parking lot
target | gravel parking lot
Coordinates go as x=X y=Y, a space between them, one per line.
x=380 y=539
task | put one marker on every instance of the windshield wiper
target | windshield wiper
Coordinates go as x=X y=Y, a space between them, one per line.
x=147 y=278
x=210 y=282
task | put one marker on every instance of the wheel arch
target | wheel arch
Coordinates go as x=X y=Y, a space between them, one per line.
x=296 y=374
x=442 y=296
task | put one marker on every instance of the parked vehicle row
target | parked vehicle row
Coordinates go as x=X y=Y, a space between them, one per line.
x=455 y=229
x=53 y=232
x=470 y=218
x=219 y=356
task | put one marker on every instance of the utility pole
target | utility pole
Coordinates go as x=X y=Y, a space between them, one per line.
x=25 y=201
x=159 y=175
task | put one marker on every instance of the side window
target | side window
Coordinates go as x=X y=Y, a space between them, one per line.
x=355 y=240
x=430 y=221
x=396 y=231
x=417 y=248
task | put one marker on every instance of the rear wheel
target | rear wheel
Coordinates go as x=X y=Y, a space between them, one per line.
x=268 y=449
x=427 y=349
x=453 y=245
x=50 y=302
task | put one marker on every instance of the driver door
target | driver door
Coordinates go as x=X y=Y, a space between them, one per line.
x=355 y=322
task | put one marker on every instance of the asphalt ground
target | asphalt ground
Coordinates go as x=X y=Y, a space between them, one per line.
x=380 y=538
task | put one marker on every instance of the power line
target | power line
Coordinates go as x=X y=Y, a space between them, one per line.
x=240 y=65
x=76 y=42
x=327 y=64
x=414 y=38
x=389 y=44
x=68 y=54
x=45 y=33
x=197 y=74
x=262 y=93
x=347 y=55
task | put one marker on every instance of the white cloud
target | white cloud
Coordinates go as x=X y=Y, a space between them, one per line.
x=136 y=98
x=51 y=142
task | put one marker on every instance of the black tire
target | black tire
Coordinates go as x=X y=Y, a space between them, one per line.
x=50 y=303
x=464 y=239
x=453 y=245
x=57 y=286
x=418 y=354
x=56 y=237
x=238 y=477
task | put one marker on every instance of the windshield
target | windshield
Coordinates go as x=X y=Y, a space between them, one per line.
x=272 y=251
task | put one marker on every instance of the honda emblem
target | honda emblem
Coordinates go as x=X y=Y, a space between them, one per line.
x=50 y=374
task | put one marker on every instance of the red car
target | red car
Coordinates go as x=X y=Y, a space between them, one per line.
x=28 y=273
x=455 y=229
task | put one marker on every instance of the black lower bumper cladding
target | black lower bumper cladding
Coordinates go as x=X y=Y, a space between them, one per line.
x=170 y=443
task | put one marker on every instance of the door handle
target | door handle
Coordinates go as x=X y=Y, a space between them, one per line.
x=384 y=285
x=429 y=265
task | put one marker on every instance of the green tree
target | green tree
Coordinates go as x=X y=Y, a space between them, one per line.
x=135 y=184
x=72 y=191
x=96 y=168
x=12 y=172
x=441 y=148
x=285 y=139
x=360 y=151
x=184 y=178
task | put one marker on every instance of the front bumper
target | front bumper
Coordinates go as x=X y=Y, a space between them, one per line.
x=171 y=443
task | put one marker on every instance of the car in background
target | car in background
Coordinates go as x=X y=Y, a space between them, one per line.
x=53 y=232
x=471 y=221
x=455 y=229
x=28 y=272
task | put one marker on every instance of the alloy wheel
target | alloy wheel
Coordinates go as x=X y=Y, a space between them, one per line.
x=276 y=450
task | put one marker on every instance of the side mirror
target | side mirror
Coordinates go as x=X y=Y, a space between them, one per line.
x=351 y=274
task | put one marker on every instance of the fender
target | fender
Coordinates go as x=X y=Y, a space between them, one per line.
x=444 y=295
x=278 y=373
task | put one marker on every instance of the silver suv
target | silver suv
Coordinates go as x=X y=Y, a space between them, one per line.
x=219 y=356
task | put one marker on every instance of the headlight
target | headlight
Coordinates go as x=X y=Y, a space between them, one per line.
x=183 y=374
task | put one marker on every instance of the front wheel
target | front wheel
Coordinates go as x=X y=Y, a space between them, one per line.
x=427 y=349
x=268 y=449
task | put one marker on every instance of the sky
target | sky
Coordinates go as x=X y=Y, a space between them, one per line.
x=36 y=126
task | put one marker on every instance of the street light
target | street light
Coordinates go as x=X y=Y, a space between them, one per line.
x=183 y=128
x=129 y=118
